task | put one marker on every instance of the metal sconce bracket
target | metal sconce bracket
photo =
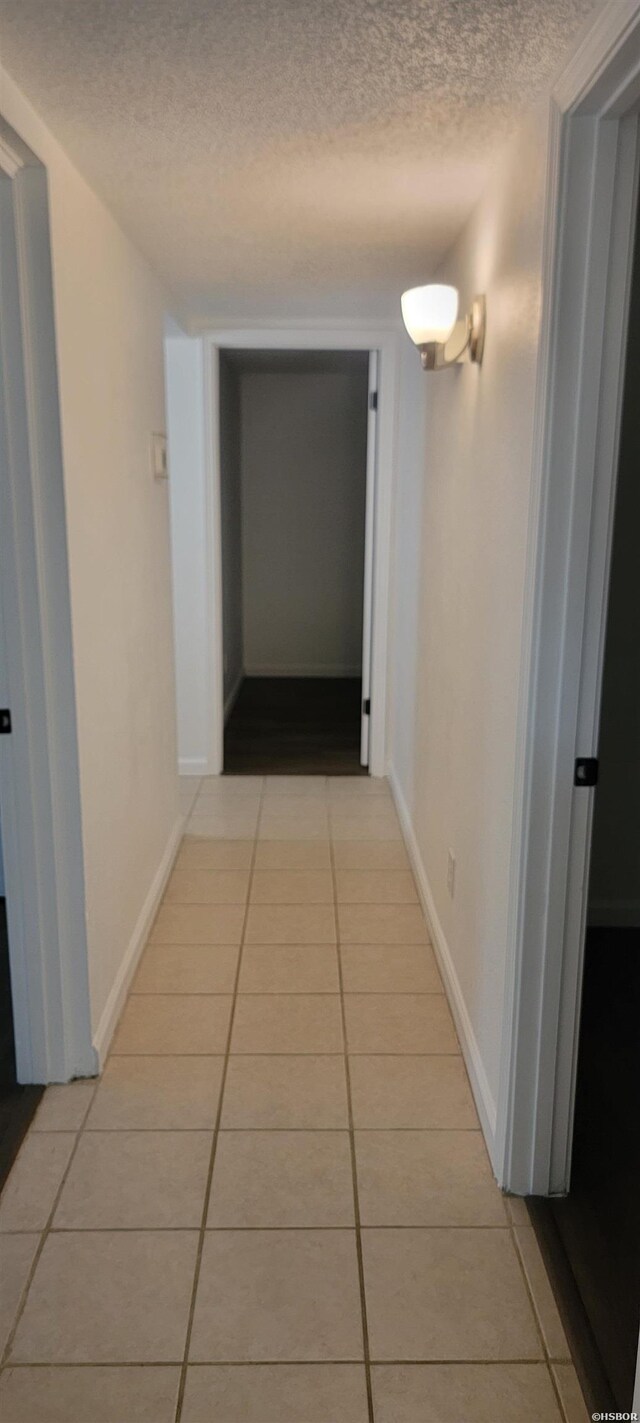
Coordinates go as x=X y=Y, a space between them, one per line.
x=432 y=353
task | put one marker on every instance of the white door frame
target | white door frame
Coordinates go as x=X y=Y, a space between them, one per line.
x=591 y=197
x=306 y=337
x=39 y=775
x=369 y=545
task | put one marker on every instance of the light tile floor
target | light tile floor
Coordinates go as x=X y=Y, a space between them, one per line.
x=276 y=1205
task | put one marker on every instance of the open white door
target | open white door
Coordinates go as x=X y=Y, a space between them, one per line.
x=369 y=536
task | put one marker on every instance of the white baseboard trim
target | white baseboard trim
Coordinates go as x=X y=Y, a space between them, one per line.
x=477 y=1076
x=233 y=695
x=193 y=766
x=304 y=669
x=614 y=914
x=115 y=1002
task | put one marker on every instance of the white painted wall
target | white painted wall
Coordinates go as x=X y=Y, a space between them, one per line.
x=462 y=512
x=303 y=463
x=109 y=318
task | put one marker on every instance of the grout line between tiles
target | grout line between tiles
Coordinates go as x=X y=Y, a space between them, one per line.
x=249 y=1229
x=212 y=1160
x=292 y=992
x=354 y=1170
x=279 y=1363
x=252 y=1052
x=208 y=1130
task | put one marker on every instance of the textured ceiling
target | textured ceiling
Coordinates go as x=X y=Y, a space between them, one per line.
x=267 y=151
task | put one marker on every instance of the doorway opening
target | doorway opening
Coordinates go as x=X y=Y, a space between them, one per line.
x=297 y=463
x=565 y=990
x=17 y=1101
x=594 y=1230
x=44 y=984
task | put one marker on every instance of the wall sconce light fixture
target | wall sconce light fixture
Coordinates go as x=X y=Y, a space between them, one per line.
x=430 y=315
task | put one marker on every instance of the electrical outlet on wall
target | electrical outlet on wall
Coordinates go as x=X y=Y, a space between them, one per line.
x=451 y=872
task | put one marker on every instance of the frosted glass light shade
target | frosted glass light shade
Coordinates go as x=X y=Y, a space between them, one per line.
x=430 y=313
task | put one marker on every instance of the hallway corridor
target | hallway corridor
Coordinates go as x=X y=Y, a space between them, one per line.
x=276 y=1205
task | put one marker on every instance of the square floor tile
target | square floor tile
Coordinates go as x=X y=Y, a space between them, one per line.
x=109 y=1296
x=89 y=1395
x=17 y=1253
x=285 y=1092
x=207 y=887
x=381 y=924
x=64 y=1107
x=399 y=1023
x=295 y=786
x=311 y=805
x=292 y=854
x=375 y=887
x=421 y=1092
x=464 y=1393
x=278 y=1179
x=542 y=1294
x=157 y=1094
x=187 y=968
x=389 y=854
x=361 y=827
x=221 y=826
x=198 y=924
x=223 y=823
x=239 y=815
x=28 y=1196
x=232 y=785
x=196 y=1024
x=292 y=887
x=278 y=1294
x=372 y=810
x=383 y=968
x=446 y=1295
x=224 y=794
x=199 y=854
x=136 y=1181
x=426 y=1178
x=287 y=968
x=298 y=1023
x=276 y=1393
x=291 y=924
x=344 y=787
x=293 y=827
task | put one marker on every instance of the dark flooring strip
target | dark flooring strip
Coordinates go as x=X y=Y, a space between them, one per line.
x=295 y=726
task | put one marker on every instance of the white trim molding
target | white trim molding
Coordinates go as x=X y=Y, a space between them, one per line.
x=592 y=186
x=193 y=766
x=115 y=1002
x=483 y=1097
x=39 y=771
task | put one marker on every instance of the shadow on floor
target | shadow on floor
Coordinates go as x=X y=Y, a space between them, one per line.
x=17 y=1104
